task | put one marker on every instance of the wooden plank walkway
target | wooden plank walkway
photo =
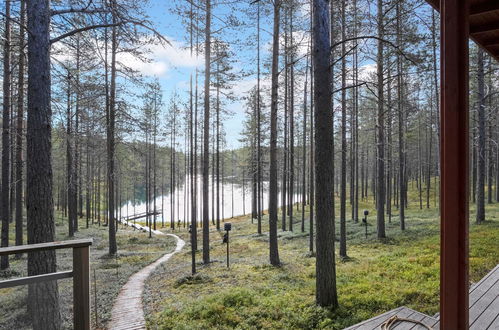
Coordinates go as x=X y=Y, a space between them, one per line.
x=484 y=310
x=128 y=312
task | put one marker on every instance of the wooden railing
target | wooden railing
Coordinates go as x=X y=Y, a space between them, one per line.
x=80 y=275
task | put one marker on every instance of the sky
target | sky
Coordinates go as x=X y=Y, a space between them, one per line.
x=172 y=64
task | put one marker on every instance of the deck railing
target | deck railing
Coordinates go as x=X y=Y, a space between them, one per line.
x=80 y=275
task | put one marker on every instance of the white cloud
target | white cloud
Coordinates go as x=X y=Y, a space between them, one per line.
x=159 y=59
x=366 y=71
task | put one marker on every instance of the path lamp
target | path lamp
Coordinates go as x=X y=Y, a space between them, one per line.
x=227 y=228
x=364 y=220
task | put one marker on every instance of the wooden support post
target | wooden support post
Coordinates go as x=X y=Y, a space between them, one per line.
x=454 y=165
x=81 y=288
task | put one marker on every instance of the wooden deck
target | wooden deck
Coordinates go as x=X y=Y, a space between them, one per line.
x=401 y=312
x=484 y=310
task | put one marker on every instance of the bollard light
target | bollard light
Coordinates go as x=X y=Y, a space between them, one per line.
x=364 y=220
x=227 y=228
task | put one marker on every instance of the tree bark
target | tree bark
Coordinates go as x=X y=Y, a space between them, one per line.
x=206 y=138
x=343 y=179
x=111 y=138
x=401 y=107
x=5 y=189
x=20 y=130
x=70 y=164
x=480 y=186
x=326 y=294
x=43 y=297
x=273 y=245
x=380 y=177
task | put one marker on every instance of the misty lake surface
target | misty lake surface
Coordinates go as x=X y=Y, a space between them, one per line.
x=234 y=201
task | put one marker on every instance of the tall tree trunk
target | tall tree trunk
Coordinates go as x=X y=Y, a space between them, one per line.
x=304 y=151
x=326 y=294
x=389 y=170
x=480 y=187
x=76 y=158
x=284 y=182
x=356 y=117
x=401 y=110
x=193 y=177
x=111 y=137
x=343 y=179
x=70 y=172
x=7 y=77
x=312 y=150
x=206 y=137
x=380 y=178
x=291 y=141
x=20 y=130
x=259 y=205
x=273 y=246
x=43 y=297
x=154 y=159
x=490 y=141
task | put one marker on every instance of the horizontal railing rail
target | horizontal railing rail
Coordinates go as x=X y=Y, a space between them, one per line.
x=80 y=275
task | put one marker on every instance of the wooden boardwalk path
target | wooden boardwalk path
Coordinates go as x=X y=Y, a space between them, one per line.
x=128 y=312
x=484 y=310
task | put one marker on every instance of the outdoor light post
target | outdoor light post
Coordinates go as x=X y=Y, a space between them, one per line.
x=364 y=220
x=227 y=228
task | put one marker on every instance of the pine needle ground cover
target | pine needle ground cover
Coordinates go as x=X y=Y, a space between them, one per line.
x=377 y=276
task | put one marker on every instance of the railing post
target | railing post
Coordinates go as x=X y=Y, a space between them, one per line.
x=81 y=288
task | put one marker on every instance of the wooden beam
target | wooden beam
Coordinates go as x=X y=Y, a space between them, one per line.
x=454 y=167
x=45 y=246
x=474 y=29
x=484 y=7
x=35 y=279
x=435 y=4
x=81 y=288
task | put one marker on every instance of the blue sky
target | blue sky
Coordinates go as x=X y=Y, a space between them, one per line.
x=172 y=65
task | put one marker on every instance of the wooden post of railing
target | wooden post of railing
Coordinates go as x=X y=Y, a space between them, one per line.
x=81 y=288
x=80 y=275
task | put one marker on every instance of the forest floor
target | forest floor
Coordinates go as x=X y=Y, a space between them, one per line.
x=135 y=251
x=378 y=275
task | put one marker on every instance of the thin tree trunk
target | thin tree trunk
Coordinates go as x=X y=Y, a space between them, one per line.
x=343 y=179
x=70 y=172
x=304 y=151
x=273 y=245
x=111 y=138
x=380 y=182
x=193 y=177
x=259 y=138
x=206 y=137
x=401 y=109
x=480 y=187
x=291 y=141
x=20 y=130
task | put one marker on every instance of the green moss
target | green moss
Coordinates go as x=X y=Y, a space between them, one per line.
x=378 y=276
